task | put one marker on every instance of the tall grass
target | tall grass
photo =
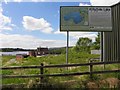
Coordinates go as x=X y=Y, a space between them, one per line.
x=74 y=57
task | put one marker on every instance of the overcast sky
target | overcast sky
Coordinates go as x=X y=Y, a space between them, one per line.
x=36 y=23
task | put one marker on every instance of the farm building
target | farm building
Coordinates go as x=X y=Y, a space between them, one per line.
x=39 y=52
x=21 y=56
x=32 y=53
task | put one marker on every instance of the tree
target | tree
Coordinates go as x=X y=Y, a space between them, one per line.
x=83 y=45
x=96 y=44
x=84 y=42
x=98 y=39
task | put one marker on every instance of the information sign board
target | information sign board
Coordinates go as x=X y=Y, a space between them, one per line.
x=85 y=18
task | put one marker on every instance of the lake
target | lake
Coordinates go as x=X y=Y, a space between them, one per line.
x=14 y=53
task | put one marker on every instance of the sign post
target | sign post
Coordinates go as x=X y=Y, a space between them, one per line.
x=101 y=46
x=67 y=47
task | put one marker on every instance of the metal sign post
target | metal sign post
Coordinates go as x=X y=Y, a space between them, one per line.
x=101 y=46
x=67 y=47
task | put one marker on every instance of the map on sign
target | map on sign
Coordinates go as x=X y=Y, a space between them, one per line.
x=85 y=18
x=75 y=16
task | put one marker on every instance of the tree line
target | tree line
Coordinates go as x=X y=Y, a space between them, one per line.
x=82 y=45
x=13 y=49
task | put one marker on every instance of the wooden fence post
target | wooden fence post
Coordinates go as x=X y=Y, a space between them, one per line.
x=41 y=72
x=91 y=69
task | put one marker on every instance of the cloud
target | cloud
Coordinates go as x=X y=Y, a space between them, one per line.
x=84 y=4
x=6 y=1
x=32 y=24
x=18 y=0
x=77 y=35
x=44 y=1
x=37 y=0
x=27 y=0
x=93 y=2
x=28 y=41
x=5 y=21
x=58 y=32
x=103 y=2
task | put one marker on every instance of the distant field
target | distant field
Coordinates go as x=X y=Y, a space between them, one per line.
x=55 y=59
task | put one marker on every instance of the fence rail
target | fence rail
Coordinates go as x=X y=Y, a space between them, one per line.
x=59 y=66
x=55 y=75
x=42 y=75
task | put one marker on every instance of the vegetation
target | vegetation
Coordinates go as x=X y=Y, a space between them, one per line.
x=83 y=45
x=80 y=55
x=96 y=44
x=54 y=82
x=57 y=50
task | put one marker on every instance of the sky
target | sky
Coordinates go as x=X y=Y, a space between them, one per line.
x=36 y=23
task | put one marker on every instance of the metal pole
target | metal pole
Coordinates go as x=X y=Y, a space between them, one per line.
x=104 y=46
x=101 y=46
x=67 y=47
